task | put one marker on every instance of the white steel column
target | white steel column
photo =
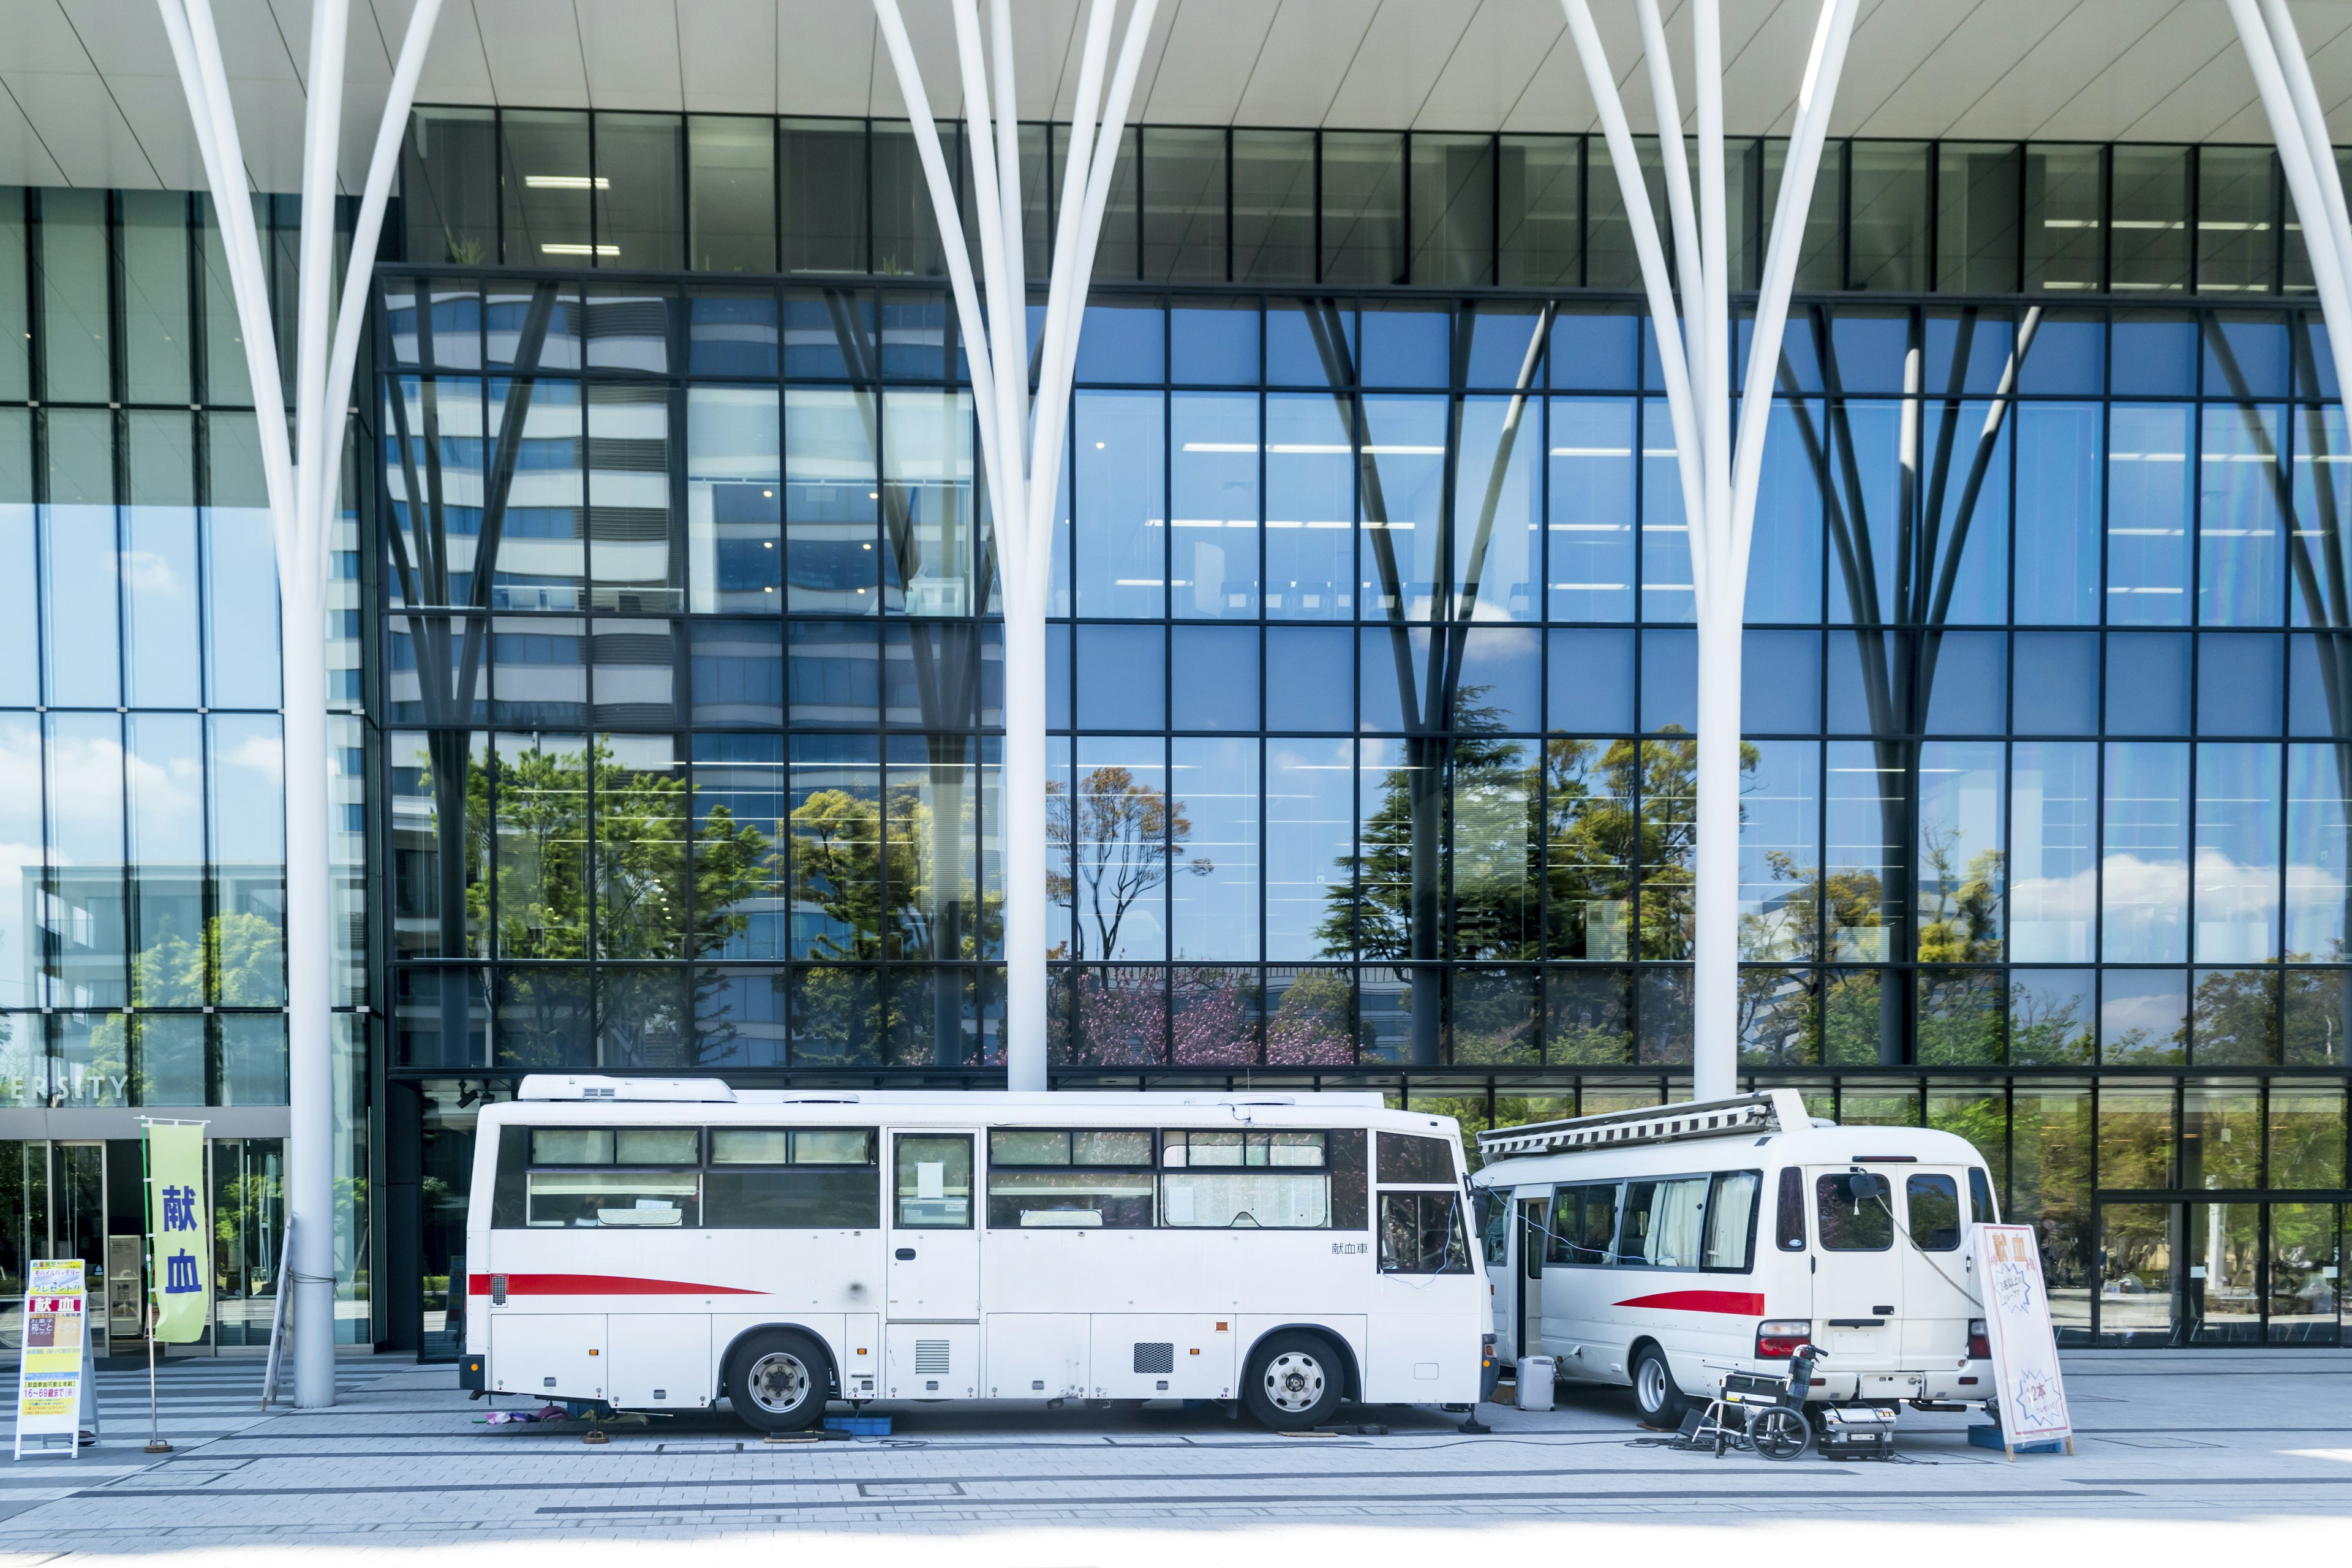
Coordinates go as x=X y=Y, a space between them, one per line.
x=1719 y=478
x=2299 y=125
x=303 y=477
x=1021 y=444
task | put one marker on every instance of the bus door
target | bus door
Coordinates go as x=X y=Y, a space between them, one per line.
x=934 y=1268
x=1534 y=1234
x=1858 y=1269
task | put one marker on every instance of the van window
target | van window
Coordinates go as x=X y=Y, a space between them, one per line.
x=1408 y=1157
x=1731 y=1221
x=1494 y=1220
x=1584 y=1222
x=1935 y=1206
x=1420 y=1233
x=1661 y=1223
x=1853 y=1212
x=1789 y=1233
x=1980 y=1209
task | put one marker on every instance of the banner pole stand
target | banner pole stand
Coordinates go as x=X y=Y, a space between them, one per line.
x=155 y=1444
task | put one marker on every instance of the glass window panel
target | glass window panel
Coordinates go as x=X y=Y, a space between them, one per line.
x=1310 y=508
x=732 y=506
x=1976 y=235
x=1498 y=509
x=1862 y=854
x=1497 y=676
x=2156 y=354
x=831 y=503
x=449 y=187
x=2058 y=501
x=440 y=785
x=1542 y=244
x=1124 y=844
x=1887 y=216
x=1311 y=343
x=85 y=892
x=2053 y=791
x=547 y=185
x=80 y=557
x=1213 y=341
x=832 y=673
x=542 y=671
x=1969 y=681
x=2323 y=504
x=1363 y=207
x=1784 y=573
x=2238 y=526
x=247 y=813
x=1399 y=564
x=1122 y=678
x=2236 y=207
x=741 y=905
x=2237 y=853
x=1588 y=1016
x=1453 y=203
x=1121 y=508
x=641 y=213
x=2234 y=1019
x=2144 y=1017
x=1213 y=813
x=1960 y=1017
x=2056 y=683
x=1667 y=576
x=739 y=1018
x=2065 y=201
x=2145 y=850
x=164 y=771
x=642 y=1020
x=20 y=620
x=2307 y=1137
x=1116 y=254
x=2147 y=515
x=226 y=376
x=2318 y=868
x=1214 y=518
x=1497 y=868
x=21 y=836
x=630 y=552
x=836 y=862
x=2051 y=1138
x=2151 y=219
x=240 y=571
x=731 y=331
x=906 y=240
x=157 y=323
x=2150 y=695
x=641 y=813
x=543 y=1015
x=542 y=548
x=932 y=810
x=731 y=165
x=159 y=565
x=77 y=342
x=927 y=472
x=2241 y=682
x=1122 y=340
x=824 y=199
x=1608 y=258
x=1309 y=840
x=1592 y=686
x=1274 y=205
x=540 y=794
x=1961 y=870
x=1780 y=850
x=1591 y=833
x=1668 y=775
x=2051 y=1016
x=1185 y=202
x=167 y=1057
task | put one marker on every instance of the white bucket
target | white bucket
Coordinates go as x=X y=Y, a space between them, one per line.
x=1535 y=1375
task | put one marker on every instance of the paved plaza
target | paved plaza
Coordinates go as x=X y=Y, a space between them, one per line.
x=2171 y=1443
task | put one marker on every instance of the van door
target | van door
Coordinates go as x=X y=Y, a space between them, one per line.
x=934 y=1245
x=1533 y=1234
x=1939 y=1290
x=1857 y=1269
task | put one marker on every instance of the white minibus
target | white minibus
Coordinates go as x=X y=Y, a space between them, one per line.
x=660 y=1245
x=1666 y=1246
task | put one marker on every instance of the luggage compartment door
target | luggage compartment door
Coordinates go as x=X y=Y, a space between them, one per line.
x=552 y=1355
x=661 y=1361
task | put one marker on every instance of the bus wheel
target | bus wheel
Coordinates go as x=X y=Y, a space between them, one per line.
x=776 y=1382
x=1654 y=1389
x=1294 y=1382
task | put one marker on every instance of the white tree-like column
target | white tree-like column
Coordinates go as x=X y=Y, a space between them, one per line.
x=2299 y=125
x=1021 y=444
x=303 y=473
x=1719 y=477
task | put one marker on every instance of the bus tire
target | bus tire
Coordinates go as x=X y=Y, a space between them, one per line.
x=778 y=1380
x=1654 y=1389
x=1294 y=1382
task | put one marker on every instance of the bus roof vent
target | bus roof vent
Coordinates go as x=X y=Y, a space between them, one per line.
x=1770 y=1110
x=595 y=1088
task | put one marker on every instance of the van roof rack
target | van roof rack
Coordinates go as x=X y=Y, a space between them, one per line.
x=1767 y=1111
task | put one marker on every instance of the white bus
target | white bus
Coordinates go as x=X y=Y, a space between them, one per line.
x=1663 y=1247
x=659 y=1244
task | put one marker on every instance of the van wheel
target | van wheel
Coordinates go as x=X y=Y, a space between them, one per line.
x=777 y=1381
x=1654 y=1389
x=1294 y=1382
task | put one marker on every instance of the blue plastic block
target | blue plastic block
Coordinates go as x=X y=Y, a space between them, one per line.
x=859 y=1425
x=1990 y=1437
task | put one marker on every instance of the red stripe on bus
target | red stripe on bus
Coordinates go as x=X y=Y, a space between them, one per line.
x=600 y=1285
x=1732 y=1302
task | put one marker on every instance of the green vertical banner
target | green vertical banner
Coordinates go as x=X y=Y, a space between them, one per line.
x=178 y=1239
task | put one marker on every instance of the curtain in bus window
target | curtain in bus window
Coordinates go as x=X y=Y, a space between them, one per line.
x=1269 y=1200
x=1069 y=1178
x=1731 y=1220
x=1420 y=1233
x=1662 y=1222
x=619 y=1198
x=1852 y=1213
x=1935 y=1206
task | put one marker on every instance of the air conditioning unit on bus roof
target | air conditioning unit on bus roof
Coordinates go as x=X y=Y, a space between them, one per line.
x=597 y=1088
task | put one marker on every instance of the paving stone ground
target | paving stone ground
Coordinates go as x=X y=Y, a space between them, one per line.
x=2178 y=1453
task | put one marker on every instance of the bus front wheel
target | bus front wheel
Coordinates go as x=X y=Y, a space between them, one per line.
x=777 y=1382
x=1294 y=1382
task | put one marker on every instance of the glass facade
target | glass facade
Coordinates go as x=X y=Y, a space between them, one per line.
x=142 y=818
x=1372 y=659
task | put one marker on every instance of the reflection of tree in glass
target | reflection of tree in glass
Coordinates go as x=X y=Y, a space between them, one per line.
x=1120 y=839
x=879 y=885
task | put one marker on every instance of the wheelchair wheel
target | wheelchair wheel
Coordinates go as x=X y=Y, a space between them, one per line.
x=1780 y=1434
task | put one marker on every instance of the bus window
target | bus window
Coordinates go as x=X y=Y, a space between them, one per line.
x=1789 y=1233
x=1420 y=1233
x=1583 y=1223
x=1661 y=1223
x=1980 y=1209
x=1935 y=1205
x=1259 y=1181
x=775 y=1179
x=1062 y=1177
x=659 y=1198
x=933 y=1177
x=1731 y=1221
x=1854 y=1213
x=1344 y=1152
x=1408 y=1157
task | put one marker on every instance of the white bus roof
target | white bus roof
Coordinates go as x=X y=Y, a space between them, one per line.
x=600 y=1089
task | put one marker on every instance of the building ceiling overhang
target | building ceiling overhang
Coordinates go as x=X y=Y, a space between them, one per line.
x=88 y=97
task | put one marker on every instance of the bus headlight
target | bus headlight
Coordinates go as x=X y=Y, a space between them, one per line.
x=1778 y=1339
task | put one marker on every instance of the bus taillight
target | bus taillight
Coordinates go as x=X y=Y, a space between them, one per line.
x=1777 y=1338
x=1979 y=1347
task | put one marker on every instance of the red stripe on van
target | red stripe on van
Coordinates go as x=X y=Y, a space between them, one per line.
x=600 y=1285
x=1732 y=1302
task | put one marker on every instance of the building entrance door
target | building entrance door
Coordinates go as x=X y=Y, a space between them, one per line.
x=2200 y=1270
